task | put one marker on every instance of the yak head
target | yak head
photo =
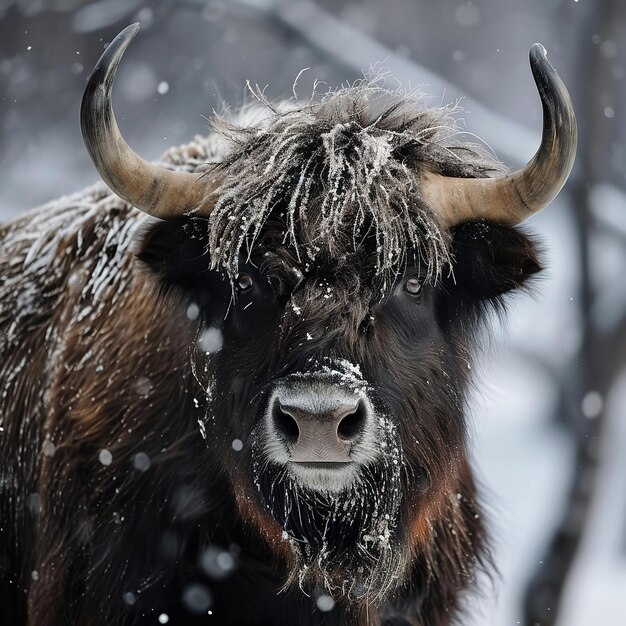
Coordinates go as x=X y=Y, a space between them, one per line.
x=337 y=259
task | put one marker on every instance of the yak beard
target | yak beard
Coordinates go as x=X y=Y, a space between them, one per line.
x=345 y=543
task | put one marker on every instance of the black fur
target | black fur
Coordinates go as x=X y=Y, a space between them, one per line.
x=413 y=351
x=108 y=353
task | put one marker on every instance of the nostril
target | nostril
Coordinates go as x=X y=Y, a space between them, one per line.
x=285 y=424
x=352 y=424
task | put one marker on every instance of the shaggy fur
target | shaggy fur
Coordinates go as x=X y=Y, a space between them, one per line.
x=337 y=172
x=125 y=379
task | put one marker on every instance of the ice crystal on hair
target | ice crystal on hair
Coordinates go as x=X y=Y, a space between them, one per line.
x=336 y=172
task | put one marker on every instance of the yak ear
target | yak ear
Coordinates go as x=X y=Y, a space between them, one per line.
x=491 y=260
x=174 y=251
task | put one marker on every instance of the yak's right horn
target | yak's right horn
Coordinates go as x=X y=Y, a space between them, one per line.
x=152 y=189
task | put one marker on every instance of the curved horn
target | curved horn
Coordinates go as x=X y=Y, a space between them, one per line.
x=513 y=198
x=152 y=189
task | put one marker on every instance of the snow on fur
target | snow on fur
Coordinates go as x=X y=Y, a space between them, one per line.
x=337 y=172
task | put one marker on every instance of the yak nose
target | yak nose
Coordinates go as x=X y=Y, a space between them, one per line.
x=319 y=436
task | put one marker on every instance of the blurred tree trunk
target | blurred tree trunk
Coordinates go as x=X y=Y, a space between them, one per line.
x=599 y=360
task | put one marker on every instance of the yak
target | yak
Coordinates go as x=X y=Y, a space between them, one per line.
x=233 y=383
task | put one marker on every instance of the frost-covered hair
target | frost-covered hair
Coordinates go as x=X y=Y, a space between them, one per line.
x=339 y=171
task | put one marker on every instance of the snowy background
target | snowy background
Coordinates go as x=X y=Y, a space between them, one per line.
x=553 y=388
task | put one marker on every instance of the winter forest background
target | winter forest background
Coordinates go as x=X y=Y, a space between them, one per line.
x=548 y=418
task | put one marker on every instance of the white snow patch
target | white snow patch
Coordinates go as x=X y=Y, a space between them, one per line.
x=211 y=340
x=48 y=448
x=592 y=404
x=193 y=310
x=325 y=603
x=129 y=598
x=141 y=461
x=105 y=457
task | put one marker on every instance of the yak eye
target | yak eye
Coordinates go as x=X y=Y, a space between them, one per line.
x=413 y=285
x=244 y=282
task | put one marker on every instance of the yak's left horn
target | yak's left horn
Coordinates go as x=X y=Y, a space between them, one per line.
x=514 y=198
x=152 y=189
